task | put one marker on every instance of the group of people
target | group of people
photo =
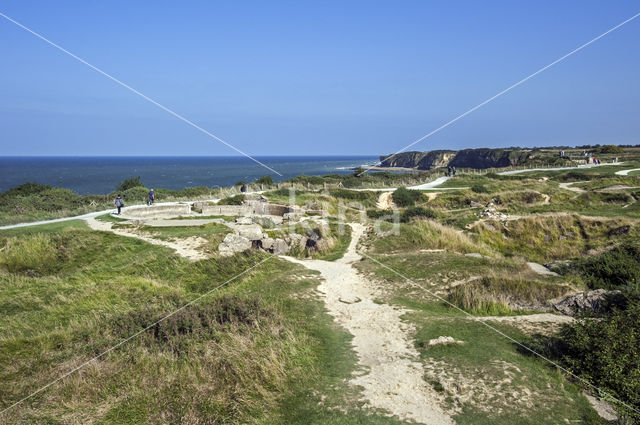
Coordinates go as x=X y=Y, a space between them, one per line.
x=451 y=171
x=119 y=202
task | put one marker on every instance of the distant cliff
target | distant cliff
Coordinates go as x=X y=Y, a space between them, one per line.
x=467 y=158
x=420 y=160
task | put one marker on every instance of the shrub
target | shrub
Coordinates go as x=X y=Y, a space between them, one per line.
x=375 y=214
x=25 y=189
x=573 y=176
x=284 y=191
x=479 y=188
x=317 y=180
x=265 y=180
x=603 y=352
x=135 y=194
x=417 y=212
x=233 y=200
x=615 y=268
x=404 y=197
x=353 y=194
x=608 y=149
x=129 y=183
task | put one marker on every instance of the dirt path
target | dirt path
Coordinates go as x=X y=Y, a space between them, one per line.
x=393 y=380
x=187 y=247
x=385 y=201
x=626 y=172
x=569 y=186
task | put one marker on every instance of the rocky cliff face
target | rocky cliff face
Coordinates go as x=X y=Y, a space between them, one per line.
x=467 y=158
x=420 y=160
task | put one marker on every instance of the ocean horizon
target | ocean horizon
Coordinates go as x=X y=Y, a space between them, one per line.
x=101 y=174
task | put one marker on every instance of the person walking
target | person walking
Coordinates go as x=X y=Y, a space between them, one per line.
x=119 y=203
x=152 y=197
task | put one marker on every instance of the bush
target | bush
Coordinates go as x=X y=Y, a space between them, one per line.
x=608 y=149
x=376 y=214
x=25 y=189
x=129 y=183
x=353 y=195
x=265 y=180
x=135 y=194
x=613 y=269
x=573 y=176
x=316 y=180
x=478 y=188
x=404 y=197
x=233 y=200
x=603 y=352
x=417 y=212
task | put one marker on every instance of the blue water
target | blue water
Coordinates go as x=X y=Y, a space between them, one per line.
x=102 y=174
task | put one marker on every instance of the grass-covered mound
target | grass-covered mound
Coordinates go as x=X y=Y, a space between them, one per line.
x=32 y=201
x=257 y=350
x=552 y=237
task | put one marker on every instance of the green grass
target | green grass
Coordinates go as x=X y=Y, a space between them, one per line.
x=268 y=357
x=552 y=237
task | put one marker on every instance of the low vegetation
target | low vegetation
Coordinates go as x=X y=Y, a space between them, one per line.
x=261 y=349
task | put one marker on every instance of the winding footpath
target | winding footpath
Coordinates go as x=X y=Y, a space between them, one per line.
x=626 y=172
x=392 y=378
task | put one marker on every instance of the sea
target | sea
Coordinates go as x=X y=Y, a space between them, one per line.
x=101 y=175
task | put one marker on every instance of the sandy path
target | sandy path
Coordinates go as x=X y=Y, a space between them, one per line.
x=626 y=172
x=569 y=186
x=187 y=247
x=385 y=201
x=393 y=380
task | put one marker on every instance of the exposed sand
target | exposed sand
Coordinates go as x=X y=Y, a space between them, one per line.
x=569 y=186
x=626 y=172
x=393 y=375
x=385 y=201
x=187 y=247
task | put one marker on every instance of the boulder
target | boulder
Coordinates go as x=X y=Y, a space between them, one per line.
x=253 y=232
x=267 y=243
x=297 y=240
x=244 y=220
x=232 y=244
x=572 y=304
x=279 y=247
x=291 y=216
x=267 y=221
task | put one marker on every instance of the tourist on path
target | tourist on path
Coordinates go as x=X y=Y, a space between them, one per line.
x=119 y=203
x=152 y=197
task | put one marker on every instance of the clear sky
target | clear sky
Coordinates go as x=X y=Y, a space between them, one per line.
x=315 y=77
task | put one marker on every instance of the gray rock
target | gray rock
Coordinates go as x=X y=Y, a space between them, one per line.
x=232 y=244
x=244 y=220
x=297 y=240
x=267 y=243
x=571 y=304
x=279 y=247
x=253 y=232
x=291 y=216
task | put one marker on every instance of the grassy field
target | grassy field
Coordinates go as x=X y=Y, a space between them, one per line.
x=259 y=350
x=262 y=349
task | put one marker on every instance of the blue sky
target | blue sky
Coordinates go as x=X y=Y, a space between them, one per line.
x=315 y=78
